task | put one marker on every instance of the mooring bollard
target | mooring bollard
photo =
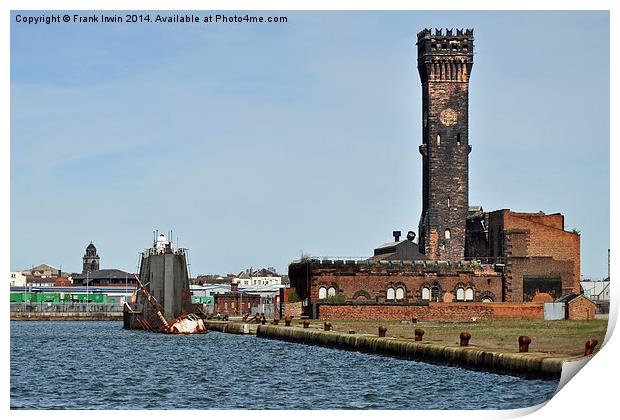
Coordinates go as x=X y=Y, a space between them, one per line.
x=590 y=345
x=327 y=326
x=414 y=320
x=276 y=321
x=419 y=332
x=351 y=331
x=287 y=321
x=306 y=323
x=524 y=343
x=382 y=331
x=465 y=336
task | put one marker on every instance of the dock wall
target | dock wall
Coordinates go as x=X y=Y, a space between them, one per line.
x=231 y=327
x=66 y=316
x=518 y=364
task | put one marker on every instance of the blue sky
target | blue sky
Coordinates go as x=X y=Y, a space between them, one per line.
x=256 y=142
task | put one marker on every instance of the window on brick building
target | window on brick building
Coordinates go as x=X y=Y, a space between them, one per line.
x=331 y=291
x=446 y=234
x=435 y=294
x=390 y=293
x=458 y=139
x=426 y=293
x=487 y=300
x=460 y=294
x=469 y=294
x=322 y=293
x=438 y=139
x=400 y=293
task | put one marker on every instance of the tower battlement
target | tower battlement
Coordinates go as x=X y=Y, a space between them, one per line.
x=445 y=56
x=460 y=33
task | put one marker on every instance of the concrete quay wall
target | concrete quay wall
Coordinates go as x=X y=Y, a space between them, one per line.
x=517 y=364
x=231 y=327
x=66 y=316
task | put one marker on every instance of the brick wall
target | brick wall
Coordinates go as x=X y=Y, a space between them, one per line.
x=435 y=311
x=292 y=309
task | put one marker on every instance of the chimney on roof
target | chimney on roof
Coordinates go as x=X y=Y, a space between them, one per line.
x=396 y=234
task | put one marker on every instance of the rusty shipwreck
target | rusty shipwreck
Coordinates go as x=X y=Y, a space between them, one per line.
x=162 y=301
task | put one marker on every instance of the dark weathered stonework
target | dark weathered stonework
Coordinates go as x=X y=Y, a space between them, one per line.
x=444 y=63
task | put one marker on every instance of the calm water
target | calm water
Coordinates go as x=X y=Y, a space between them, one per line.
x=98 y=365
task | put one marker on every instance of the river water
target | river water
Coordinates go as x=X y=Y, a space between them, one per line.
x=98 y=365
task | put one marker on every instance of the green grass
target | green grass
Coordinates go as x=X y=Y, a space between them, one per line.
x=554 y=338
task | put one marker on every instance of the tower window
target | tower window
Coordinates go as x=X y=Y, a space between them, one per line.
x=458 y=139
x=438 y=139
x=448 y=202
x=447 y=234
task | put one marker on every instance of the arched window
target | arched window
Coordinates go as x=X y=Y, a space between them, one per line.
x=390 y=293
x=331 y=291
x=426 y=293
x=322 y=293
x=487 y=300
x=460 y=294
x=458 y=139
x=469 y=294
x=446 y=234
x=438 y=139
x=435 y=294
x=400 y=293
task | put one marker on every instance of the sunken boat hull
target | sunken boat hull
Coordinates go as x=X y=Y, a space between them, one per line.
x=162 y=302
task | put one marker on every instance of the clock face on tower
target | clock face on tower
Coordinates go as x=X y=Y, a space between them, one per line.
x=448 y=117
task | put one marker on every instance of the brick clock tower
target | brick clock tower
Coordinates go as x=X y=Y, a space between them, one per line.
x=444 y=64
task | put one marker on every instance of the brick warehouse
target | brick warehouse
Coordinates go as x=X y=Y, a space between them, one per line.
x=465 y=258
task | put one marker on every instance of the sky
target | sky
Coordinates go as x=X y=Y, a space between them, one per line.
x=255 y=143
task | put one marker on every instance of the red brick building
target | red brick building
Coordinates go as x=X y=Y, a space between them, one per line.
x=235 y=302
x=464 y=255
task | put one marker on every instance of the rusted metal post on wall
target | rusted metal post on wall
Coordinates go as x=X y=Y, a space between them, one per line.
x=419 y=332
x=524 y=343
x=382 y=331
x=465 y=337
x=590 y=345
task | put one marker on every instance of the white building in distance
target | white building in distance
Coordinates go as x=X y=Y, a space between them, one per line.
x=17 y=279
x=263 y=277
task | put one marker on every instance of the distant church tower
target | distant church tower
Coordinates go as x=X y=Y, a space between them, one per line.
x=444 y=64
x=90 y=261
